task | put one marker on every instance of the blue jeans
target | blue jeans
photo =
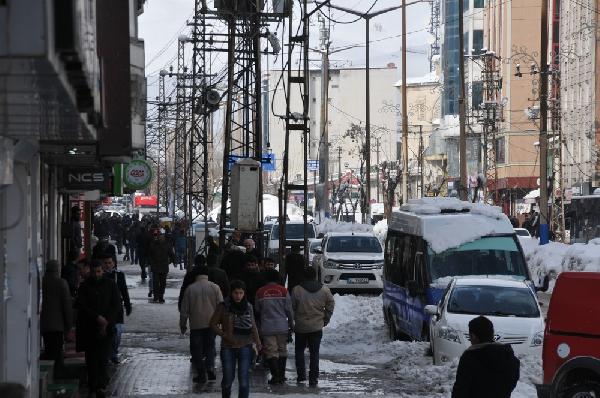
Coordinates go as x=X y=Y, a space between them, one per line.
x=119 y=329
x=202 y=347
x=243 y=357
x=313 y=342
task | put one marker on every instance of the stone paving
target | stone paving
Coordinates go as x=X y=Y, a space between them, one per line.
x=155 y=357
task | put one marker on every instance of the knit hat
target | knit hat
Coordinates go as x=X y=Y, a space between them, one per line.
x=52 y=266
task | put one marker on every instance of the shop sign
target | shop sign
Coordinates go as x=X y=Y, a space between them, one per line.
x=138 y=174
x=86 y=179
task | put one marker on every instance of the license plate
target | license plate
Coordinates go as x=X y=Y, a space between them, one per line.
x=357 y=281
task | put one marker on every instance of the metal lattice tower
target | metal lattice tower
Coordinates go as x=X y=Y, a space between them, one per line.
x=434 y=30
x=555 y=144
x=180 y=153
x=162 y=144
x=489 y=116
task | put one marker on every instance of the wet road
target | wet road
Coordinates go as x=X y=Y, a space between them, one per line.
x=155 y=357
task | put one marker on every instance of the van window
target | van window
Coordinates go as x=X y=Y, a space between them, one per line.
x=394 y=256
x=497 y=255
x=293 y=231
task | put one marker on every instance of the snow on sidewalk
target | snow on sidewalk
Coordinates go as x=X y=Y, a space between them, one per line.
x=358 y=332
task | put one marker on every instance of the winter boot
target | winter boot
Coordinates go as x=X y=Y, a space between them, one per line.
x=282 y=362
x=274 y=368
x=226 y=393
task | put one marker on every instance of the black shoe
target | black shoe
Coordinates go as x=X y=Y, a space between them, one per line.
x=149 y=294
x=210 y=375
x=155 y=300
x=301 y=378
x=313 y=383
x=161 y=301
x=100 y=393
x=199 y=379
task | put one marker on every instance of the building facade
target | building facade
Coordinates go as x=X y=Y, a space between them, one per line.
x=65 y=110
x=579 y=60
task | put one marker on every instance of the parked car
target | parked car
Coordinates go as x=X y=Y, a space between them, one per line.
x=511 y=305
x=294 y=232
x=350 y=261
x=571 y=356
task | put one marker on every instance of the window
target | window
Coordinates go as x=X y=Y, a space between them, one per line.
x=479 y=3
x=465 y=5
x=393 y=259
x=493 y=300
x=477 y=41
x=501 y=150
x=477 y=95
x=353 y=244
x=294 y=231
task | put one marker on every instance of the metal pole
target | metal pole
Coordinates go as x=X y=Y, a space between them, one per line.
x=404 y=110
x=544 y=125
x=377 y=180
x=227 y=135
x=323 y=199
x=421 y=162
x=366 y=219
x=462 y=147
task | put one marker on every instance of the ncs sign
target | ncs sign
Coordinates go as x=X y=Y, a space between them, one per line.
x=86 y=179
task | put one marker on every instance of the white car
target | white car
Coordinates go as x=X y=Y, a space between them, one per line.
x=511 y=305
x=294 y=233
x=522 y=233
x=350 y=261
x=314 y=246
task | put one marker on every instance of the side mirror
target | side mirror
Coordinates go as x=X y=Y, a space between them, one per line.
x=432 y=309
x=545 y=285
x=413 y=288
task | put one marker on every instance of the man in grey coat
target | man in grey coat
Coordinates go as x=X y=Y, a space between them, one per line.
x=313 y=306
x=56 y=317
x=199 y=302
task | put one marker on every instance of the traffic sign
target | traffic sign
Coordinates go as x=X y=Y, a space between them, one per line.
x=313 y=165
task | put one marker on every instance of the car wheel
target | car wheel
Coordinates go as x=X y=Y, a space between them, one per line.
x=588 y=389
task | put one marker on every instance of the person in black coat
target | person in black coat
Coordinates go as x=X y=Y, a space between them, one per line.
x=233 y=264
x=252 y=277
x=486 y=369
x=104 y=246
x=111 y=272
x=294 y=268
x=98 y=303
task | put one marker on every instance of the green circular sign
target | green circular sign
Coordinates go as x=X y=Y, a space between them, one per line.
x=137 y=174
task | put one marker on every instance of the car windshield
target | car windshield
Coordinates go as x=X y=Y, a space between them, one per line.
x=314 y=245
x=495 y=255
x=522 y=232
x=494 y=301
x=353 y=244
x=293 y=231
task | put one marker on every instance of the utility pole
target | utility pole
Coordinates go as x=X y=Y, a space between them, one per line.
x=378 y=139
x=339 y=166
x=544 y=233
x=462 y=147
x=323 y=200
x=421 y=162
x=405 y=110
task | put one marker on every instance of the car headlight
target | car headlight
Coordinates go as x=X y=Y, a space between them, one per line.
x=538 y=339
x=448 y=333
x=378 y=265
x=331 y=264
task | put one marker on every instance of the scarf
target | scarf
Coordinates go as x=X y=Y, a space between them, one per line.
x=242 y=315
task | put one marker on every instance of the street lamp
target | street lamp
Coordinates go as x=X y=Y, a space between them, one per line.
x=367 y=16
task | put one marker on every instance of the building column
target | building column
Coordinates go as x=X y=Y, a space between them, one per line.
x=23 y=266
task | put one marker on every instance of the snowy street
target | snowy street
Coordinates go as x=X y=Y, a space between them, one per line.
x=357 y=357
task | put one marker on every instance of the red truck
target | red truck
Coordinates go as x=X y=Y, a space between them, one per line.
x=571 y=354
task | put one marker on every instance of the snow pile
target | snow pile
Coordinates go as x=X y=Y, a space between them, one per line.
x=494 y=212
x=556 y=257
x=434 y=205
x=330 y=225
x=380 y=230
x=357 y=331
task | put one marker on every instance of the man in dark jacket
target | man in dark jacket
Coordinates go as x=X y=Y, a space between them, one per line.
x=69 y=274
x=252 y=278
x=97 y=305
x=294 y=268
x=160 y=255
x=233 y=263
x=56 y=316
x=486 y=369
x=104 y=246
x=111 y=272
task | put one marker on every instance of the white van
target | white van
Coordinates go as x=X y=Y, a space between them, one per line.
x=294 y=232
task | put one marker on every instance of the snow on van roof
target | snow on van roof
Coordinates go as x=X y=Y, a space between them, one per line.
x=446 y=223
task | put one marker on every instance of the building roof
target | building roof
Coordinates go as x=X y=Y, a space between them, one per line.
x=427 y=79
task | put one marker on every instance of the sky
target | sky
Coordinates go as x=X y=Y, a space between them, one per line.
x=164 y=20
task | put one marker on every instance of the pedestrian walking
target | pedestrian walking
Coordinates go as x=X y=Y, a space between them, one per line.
x=234 y=322
x=143 y=239
x=276 y=320
x=69 y=274
x=198 y=305
x=313 y=306
x=233 y=263
x=56 y=316
x=180 y=245
x=160 y=255
x=97 y=305
x=252 y=277
x=251 y=249
x=486 y=368
x=293 y=268
x=111 y=272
